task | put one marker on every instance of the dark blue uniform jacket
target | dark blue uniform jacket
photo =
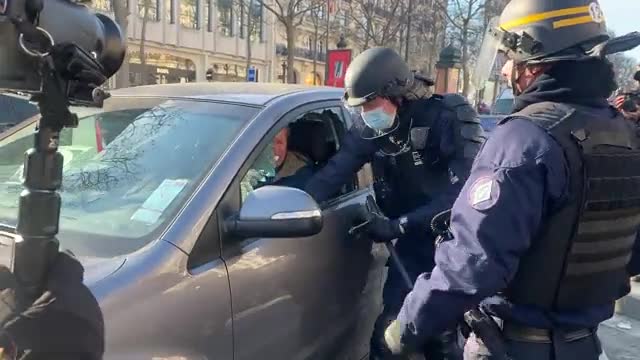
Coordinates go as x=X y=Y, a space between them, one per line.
x=518 y=178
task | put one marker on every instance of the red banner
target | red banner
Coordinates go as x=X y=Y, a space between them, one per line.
x=337 y=61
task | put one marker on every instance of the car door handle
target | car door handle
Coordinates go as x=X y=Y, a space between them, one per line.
x=358 y=227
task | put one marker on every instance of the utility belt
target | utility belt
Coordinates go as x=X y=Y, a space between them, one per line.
x=494 y=335
x=522 y=333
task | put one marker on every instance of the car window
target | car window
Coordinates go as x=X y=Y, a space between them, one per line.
x=128 y=171
x=290 y=164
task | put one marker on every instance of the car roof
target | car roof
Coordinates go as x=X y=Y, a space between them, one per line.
x=15 y=108
x=257 y=94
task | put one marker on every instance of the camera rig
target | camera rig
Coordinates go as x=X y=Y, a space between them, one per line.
x=67 y=74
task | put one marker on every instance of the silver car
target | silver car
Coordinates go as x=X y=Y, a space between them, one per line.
x=192 y=252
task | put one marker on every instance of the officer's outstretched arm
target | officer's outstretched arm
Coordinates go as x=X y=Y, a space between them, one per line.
x=494 y=219
x=353 y=154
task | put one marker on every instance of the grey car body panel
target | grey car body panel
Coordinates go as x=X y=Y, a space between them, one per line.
x=269 y=298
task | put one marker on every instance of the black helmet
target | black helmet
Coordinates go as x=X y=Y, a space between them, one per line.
x=376 y=72
x=548 y=30
x=540 y=31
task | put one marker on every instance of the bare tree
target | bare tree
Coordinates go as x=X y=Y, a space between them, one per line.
x=319 y=18
x=291 y=14
x=467 y=24
x=121 y=14
x=252 y=20
x=378 y=22
x=625 y=67
x=146 y=7
x=429 y=25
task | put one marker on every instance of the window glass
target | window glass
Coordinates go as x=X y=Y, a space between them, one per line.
x=171 y=13
x=151 y=9
x=189 y=13
x=128 y=170
x=225 y=17
x=257 y=20
x=103 y=5
x=207 y=18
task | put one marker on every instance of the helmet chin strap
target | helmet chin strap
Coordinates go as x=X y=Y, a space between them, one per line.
x=514 y=80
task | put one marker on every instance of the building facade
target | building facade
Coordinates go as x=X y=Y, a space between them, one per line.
x=207 y=40
x=196 y=40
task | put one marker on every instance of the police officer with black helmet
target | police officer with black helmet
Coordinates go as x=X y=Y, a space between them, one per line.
x=543 y=230
x=421 y=147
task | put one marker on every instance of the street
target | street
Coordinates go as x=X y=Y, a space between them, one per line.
x=620 y=338
x=620 y=335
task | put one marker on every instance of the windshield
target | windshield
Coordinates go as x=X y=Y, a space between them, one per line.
x=128 y=168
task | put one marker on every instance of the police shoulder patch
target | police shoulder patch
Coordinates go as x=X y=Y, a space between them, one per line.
x=484 y=193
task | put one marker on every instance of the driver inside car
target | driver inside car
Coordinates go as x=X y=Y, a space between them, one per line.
x=292 y=157
x=307 y=151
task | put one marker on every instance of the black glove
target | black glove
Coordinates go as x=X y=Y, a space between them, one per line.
x=64 y=322
x=382 y=229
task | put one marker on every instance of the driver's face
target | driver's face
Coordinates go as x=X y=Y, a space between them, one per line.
x=280 y=142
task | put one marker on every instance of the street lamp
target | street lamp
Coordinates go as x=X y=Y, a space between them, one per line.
x=284 y=72
x=342 y=43
x=448 y=70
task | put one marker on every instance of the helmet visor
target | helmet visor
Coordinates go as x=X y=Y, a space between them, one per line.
x=491 y=45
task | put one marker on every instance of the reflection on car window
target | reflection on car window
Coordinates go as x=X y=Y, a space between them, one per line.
x=128 y=171
x=262 y=172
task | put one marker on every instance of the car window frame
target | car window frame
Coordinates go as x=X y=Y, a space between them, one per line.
x=231 y=202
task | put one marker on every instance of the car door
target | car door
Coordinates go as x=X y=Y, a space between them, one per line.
x=300 y=298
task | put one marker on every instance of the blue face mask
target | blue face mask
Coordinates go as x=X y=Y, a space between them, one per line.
x=378 y=119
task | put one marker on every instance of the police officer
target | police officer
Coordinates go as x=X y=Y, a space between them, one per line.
x=421 y=147
x=65 y=322
x=548 y=216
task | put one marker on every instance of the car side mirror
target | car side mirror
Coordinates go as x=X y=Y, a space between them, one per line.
x=276 y=211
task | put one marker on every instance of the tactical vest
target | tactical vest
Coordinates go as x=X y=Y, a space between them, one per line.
x=412 y=178
x=580 y=256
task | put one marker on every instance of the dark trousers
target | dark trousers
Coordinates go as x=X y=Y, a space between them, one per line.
x=587 y=348
x=417 y=255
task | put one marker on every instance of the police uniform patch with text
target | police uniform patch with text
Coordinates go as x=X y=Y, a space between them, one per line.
x=484 y=193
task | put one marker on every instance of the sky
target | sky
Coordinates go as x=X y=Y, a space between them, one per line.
x=623 y=16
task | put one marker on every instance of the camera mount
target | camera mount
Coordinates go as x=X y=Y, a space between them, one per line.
x=66 y=71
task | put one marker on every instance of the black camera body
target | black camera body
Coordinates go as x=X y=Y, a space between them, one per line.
x=63 y=22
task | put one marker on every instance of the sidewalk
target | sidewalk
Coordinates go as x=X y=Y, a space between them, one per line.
x=620 y=337
x=630 y=304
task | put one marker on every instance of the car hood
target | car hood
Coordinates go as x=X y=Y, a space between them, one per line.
x=96 y=269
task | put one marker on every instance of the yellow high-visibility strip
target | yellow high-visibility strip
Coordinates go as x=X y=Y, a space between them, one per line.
x=572 y=21
x=544 y=16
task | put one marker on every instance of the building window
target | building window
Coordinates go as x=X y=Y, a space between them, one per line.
x=207 y=13
x=225 y=17
x=189 y=13
x=240 y=18
x=152 y=13
x=103 y=5
x=171 y=11
x=256 y=20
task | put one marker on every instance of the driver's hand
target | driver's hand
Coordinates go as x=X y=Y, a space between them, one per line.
x=64 y=322
x=629 y=115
